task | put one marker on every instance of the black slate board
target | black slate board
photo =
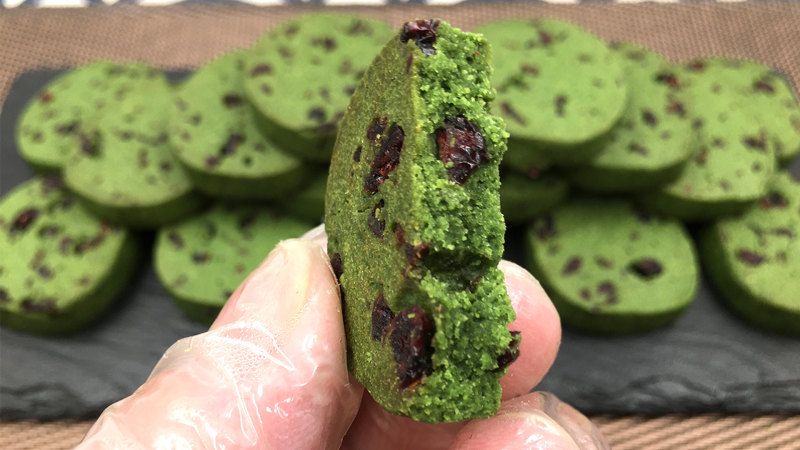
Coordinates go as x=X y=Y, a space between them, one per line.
x=708 y=360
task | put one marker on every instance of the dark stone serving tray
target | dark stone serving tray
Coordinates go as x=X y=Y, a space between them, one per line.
x=708 y=360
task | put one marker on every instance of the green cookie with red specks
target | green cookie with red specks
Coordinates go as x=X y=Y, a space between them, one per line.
x=610 y=268
x=650 y=144
x=753 y=259
x=415 y=231
x=122 y=166
x=45 y=131
x=301 y=74
x=522 y=198
x=734 y=156
x=61 y=268
x=203 y=259
x=558 y=88
x=215 y=135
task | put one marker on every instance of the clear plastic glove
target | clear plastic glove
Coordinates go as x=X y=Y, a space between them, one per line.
x=271 y=373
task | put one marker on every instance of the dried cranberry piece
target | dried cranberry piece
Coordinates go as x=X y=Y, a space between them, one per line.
x=608 y=289
x=572 y=265
x=647 y=268
x=24 y=220
x=46 y=306
x=749 y=257
x=357 y=154
x=386 y=160
x=509 y=111
x=231 y=100
x=376 y=128
x=510 y=354
x=376 y=226
x=423 y=32
x=461 y=144
x=175 y=238
x=336 y=265
x=669 y=79
x=413 y=252
x=411 y=339
x=234 y=141
x=544 y=227
x=382 y=316
x=559 y=102
x=261 y=69
x=200 y=257
x=649 y=118
x=763 y=86
x=773 y=199
x=758 y=143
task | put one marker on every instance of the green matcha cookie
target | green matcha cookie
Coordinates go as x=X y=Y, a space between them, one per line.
x=46 y=128
x=122 y=167
x=61 y=268
x=308 y=203
x=522 y=198
x=610 y=268
x=735 y=153
x=415 y=231
x=203 y=259
x=558 y=87
x=300 y=76
x=215 y=136
x=754 y=259
x=756 y=91
x=649 y=145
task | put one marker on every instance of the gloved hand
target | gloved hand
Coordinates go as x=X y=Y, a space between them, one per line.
x=271 y=373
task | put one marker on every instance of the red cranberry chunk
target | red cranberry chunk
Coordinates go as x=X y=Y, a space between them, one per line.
x=423 y=32
x=336 y=265
x=411 y=339
x=461 y=144
x=24 y=220
x=386 y=160
x=382 y=316
x=510 y=354
x=647 y=268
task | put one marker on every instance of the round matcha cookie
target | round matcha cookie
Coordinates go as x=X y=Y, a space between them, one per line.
x=558 y=87
x=649 y=145
x=46 y=128
x=203 y=259
x=753 y=90
x=301 y=74
x=753 y=259
x=214 y=134
x=122 y=167
x=610 y=268
x=734 y=156
x=415 y=231
x=308 y=203
x=61 y=268
x=522 y=198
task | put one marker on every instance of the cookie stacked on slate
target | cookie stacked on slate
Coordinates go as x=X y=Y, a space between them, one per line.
x=61 y=267
x=137 y=152
x=696 y=142
x=301 y=74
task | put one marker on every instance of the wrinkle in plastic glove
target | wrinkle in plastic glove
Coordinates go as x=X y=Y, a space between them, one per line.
x=271 y=373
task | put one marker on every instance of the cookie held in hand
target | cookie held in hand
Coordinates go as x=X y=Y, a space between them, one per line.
x=415 y=231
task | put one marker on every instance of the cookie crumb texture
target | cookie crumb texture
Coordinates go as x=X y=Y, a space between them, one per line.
x=753 y=259
x=61 y=268
x=415 y=231
x=300 y=76
x=202 y=260
x=611 y=268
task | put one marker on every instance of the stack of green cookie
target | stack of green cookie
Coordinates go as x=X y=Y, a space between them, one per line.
x=694 y=142
x=253 y=125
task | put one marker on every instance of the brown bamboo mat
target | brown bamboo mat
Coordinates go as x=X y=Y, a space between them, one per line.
x=187 y=35
x=710 y=431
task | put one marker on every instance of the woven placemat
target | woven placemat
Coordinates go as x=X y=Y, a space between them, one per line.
x=708 y=431
x=185 y=36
